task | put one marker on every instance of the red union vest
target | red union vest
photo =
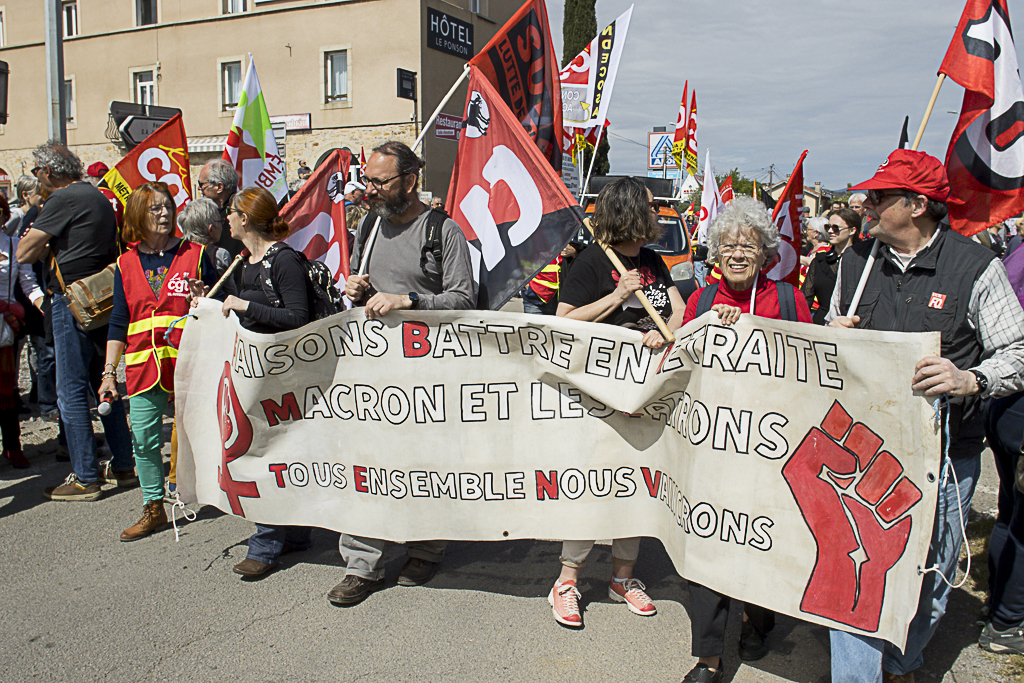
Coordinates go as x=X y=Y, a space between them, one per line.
x=148 y=357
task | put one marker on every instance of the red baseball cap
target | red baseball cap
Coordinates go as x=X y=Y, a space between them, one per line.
x=907 y=169
x=97 y=170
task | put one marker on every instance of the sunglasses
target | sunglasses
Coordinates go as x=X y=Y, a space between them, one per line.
x=831 y=227
x=876 y=197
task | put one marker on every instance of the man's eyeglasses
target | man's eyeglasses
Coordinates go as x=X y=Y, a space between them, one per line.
x=201 y=185
x=379 y=184
x=876 y=197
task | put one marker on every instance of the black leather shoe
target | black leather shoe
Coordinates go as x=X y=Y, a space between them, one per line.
x=753 y=643
x=353 y=589
x=702 y=674
x=417 y=572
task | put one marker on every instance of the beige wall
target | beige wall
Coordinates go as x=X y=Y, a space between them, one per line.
x=185 y=50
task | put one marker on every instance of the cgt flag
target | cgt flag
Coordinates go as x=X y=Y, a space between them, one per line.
x=251 y=146
x=317 y=215
x=786 y=216
x=679 y=140
x=691 y=137
x=985 y=159
x=520 y=63
x=725 y=190
x=513 y=208
x=161 y=157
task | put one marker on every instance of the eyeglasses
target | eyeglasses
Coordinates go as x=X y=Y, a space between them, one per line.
x=379 y=184
x=876 y=197
x=158 y=209
x=655 y=206
x=745 y=249
x=832 y=227
x=201 y=185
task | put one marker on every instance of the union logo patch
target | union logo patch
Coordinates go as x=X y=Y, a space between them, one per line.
x=937 y=301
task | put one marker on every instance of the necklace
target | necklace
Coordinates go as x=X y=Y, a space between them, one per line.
x=160 y=251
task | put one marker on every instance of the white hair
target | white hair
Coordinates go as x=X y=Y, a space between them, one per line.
x=739 y=215
x=858 y=195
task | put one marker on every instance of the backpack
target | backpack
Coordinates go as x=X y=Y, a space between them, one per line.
x=431 y=245
x=326 y=298
x=787 y=300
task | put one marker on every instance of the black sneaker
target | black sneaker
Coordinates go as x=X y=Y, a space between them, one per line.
x=1008 y=642
x=417 y=572
x=702 y=674
x=353 y=589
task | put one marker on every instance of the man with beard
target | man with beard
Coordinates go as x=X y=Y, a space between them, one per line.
x=218 y=180
x=404 y=272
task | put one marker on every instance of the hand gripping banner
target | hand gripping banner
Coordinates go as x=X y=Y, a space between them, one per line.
x=782 y=464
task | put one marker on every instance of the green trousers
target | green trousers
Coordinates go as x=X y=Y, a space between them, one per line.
x=147 y=413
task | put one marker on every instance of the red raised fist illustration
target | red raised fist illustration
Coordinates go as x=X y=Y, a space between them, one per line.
x=235 y=439
x=855 y=499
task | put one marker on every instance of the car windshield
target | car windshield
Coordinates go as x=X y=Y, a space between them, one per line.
x=672 y=241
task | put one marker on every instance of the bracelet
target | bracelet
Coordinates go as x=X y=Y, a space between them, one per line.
x=109 y=373
x=108 y=365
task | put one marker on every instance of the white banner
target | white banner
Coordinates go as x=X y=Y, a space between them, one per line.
x=783 y=464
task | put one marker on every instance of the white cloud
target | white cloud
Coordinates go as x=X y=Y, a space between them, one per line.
x=774 y=78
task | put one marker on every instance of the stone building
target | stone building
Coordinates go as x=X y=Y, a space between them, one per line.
x=328 y=70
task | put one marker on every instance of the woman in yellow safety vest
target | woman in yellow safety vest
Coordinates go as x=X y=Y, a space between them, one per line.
x=150 y=293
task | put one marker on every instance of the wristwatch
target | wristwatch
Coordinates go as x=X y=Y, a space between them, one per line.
x=414 y=300
x=982 y=381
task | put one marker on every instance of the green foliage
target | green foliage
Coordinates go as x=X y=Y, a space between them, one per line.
x=741 y=185
x=579 y=26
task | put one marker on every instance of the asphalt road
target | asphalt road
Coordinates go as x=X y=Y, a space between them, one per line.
x=79 y=605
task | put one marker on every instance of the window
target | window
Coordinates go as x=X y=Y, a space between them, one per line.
x=336 y=76
x=234 y=6
x=231 y=84
x=145 y=12
x=144 y=87
x=70 y=10
x=478 y=6
x=3 y=30
x=69 y=101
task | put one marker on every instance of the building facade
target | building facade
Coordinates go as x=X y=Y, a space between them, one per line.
x=327 y=68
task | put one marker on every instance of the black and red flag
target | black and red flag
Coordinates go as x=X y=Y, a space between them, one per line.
x=316 y=215
x=512 y=206
x=985 y=160
x=520 y=63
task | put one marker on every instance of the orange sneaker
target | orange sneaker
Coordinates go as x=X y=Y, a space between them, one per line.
x=564 y=600
x=631 y=592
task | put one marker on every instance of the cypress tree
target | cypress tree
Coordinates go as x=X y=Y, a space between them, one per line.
x=579 y=26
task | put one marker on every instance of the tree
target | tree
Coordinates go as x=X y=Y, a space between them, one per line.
x=579 y=26
x=741 y=185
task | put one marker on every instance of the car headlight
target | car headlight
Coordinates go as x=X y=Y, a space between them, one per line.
x=681 y=271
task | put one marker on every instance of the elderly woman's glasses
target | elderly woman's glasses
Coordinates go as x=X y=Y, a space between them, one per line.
x=158 y=209
x=745 y=249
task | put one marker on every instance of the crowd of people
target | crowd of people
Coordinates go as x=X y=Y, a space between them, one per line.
x=63 y=231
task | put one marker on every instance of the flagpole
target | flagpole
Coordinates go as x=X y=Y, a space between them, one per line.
x=617 y=262
x=874 y=247
x=586 y=185
x=365 y=260
x=444 y=101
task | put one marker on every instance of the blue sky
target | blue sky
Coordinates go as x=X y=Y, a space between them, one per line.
x=775 y=77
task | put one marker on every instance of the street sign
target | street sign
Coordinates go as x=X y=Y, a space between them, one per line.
x=659 y=146
x=135 y=129
x=406 y=84
x=447 y=127
x=120 y=112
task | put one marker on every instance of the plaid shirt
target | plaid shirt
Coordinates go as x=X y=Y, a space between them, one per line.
x=996 y=316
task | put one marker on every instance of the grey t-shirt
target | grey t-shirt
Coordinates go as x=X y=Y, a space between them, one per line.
x=84 y=229
x=395 y=259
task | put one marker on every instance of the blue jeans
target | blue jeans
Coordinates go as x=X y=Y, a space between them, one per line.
x=79 y=365
x=45 y=375
x=860 y=659
x=537 y=306
x=266 y=544
x=1004 y=426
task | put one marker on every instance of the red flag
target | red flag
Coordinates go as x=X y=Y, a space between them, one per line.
x=787 y=217
x=679 y=139
x=520 y=63
x=691 y=137
x=163 y=157
x=985 y=159
x=512 y=206
x=362 y=157
x=725 y=189
x=317 y=215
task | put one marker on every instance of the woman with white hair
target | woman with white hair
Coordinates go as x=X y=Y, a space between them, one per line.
x=744 y=241
x=201 y=222
x=26 y=196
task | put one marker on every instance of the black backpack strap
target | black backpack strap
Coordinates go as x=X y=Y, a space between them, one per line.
x=432 y=243
x=707 y=299
x=787 y=301
x=266 y=282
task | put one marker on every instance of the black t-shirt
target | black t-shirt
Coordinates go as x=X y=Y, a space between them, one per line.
x=288 y=275
x=84 y=229
x=593 y=277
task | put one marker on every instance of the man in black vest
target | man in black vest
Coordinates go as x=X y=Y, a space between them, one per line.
x=928 y=278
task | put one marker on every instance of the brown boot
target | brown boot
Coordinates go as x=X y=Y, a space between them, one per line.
x=153 y=517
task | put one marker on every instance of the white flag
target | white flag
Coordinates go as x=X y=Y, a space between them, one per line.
x=710 y=201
